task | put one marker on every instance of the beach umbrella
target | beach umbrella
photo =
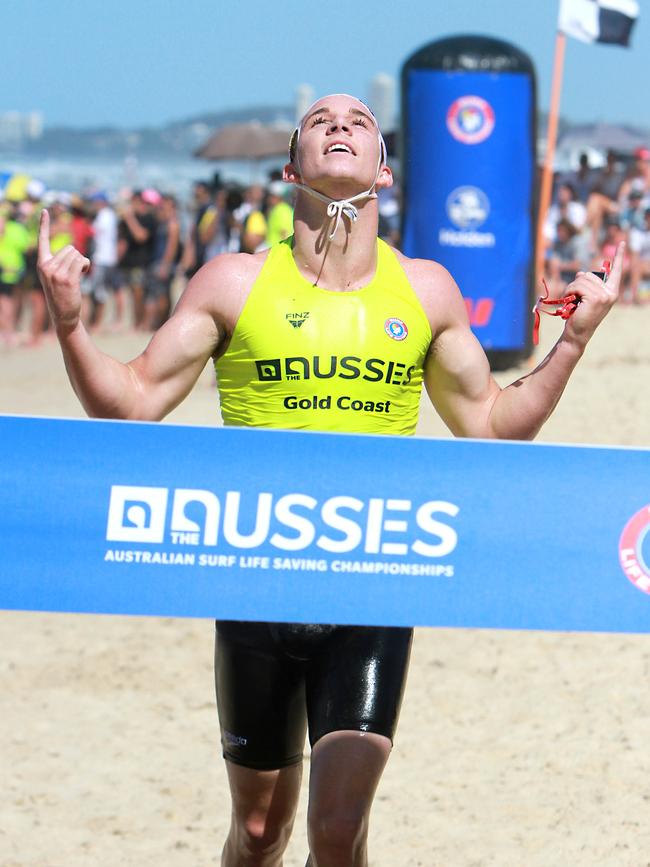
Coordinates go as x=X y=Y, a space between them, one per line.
x=257 y=141
x=246 y=141
x=605 y=136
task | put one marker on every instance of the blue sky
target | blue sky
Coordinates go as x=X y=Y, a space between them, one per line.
x=131 y=62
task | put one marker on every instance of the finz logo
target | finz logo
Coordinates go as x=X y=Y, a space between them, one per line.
x=468 y=207
x=470 y=119
x=297 y=319
x=630 y=550
x=396 y=328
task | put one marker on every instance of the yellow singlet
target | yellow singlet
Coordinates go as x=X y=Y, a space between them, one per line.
x=302 y=357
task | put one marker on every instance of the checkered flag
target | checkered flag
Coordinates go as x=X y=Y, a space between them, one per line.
x=609 y=21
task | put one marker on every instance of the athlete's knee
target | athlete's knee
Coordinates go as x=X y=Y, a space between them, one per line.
x=337 y=836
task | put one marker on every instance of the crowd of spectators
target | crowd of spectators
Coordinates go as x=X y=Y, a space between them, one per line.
x=144 y=246
x=594 y=209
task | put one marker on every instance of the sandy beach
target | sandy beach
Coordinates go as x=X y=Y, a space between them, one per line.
x=514 y=748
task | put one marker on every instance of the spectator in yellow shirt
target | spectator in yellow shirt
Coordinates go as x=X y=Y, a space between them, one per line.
x=279 y=217
x=253 y=233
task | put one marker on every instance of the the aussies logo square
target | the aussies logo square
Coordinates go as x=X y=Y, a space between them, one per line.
x=136 y=514
x=269 y=370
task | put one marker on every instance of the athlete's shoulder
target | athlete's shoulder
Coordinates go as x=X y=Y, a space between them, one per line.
x=222 y=285
x=436 y=289
x=233 y=266
x=225 y=273
x=425 y=271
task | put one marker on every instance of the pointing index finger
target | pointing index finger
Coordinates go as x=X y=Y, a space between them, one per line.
x=44 y=252
x=614 y=279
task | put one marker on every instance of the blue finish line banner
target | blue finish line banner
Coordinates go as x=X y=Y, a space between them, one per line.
x=137 y=518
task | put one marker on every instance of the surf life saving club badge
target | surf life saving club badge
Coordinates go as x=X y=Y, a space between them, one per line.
x=631 y=549
x=470 y=119
x=396 y=328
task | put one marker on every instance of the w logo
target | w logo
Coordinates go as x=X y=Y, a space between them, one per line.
x=479 y=311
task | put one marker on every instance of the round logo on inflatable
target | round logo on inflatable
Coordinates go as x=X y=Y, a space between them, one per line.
x=467 y=207
x=470 y=119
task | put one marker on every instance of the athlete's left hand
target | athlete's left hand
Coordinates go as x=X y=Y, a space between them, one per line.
x=596 y=299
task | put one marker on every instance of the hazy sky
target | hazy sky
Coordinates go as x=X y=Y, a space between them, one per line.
x=130 y=62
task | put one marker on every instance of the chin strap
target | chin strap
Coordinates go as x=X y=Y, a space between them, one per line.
x=340 y=207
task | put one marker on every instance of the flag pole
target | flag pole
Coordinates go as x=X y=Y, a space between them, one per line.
x=546 y=185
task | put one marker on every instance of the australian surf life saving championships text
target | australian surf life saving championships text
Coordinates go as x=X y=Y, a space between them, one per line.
x=295 y=531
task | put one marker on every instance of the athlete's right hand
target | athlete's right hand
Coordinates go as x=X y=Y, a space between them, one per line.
x=60 y=277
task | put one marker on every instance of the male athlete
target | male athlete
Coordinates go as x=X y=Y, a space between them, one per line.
x=375 y=325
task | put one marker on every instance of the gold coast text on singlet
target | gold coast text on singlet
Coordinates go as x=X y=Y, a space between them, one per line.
x=302 y=357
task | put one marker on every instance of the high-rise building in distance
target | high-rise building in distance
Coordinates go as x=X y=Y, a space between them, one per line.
x=304 y=98
x=382 y=100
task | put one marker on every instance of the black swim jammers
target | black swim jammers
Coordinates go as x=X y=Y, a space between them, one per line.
x=275 y=680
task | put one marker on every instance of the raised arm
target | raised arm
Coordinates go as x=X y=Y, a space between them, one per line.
x=457 y=374
x=157 y=380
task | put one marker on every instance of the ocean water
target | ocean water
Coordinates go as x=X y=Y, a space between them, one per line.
x=113 y=174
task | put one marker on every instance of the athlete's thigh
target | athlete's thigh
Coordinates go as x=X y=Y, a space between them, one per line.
x=260 y=697
x=357 y=682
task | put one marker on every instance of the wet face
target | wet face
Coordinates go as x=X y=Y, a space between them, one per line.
x=338 y=143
